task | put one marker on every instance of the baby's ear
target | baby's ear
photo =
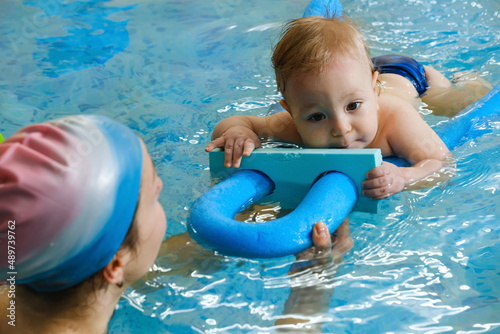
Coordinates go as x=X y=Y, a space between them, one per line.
x=285 y=106
x=375 y=81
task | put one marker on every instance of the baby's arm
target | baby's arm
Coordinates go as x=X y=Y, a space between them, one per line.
x=410 y=137
x=239 y=135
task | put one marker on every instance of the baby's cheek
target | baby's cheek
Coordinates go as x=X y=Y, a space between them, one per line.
x=314 y=140
x=315 y=144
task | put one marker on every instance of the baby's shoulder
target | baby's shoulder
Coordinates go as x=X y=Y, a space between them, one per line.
x=393 y=106
x=397 y=117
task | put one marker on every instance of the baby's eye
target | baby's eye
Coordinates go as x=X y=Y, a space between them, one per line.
x=316 y=117
x=353 y=106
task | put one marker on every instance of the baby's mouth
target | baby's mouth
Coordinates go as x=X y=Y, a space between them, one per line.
x=339 y=147
x=343 y=143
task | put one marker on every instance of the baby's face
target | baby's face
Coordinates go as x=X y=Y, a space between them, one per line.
x=336 y=108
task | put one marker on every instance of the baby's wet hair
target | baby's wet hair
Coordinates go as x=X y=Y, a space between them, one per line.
x=312 y=43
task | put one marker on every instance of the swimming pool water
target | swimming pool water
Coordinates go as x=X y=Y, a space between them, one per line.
x=429 y=262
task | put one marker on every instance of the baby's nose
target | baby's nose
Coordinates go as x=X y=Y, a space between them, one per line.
x=340 y=127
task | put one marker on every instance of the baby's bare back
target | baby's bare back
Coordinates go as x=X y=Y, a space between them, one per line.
x=398 y=85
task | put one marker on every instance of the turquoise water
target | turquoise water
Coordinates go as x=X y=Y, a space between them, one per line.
x=429 y=262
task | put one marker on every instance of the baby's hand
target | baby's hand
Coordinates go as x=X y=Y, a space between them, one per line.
x=383 y=181
x=237 y=141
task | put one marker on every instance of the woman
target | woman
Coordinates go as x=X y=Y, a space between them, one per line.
x=79 y=209
x=80 y=221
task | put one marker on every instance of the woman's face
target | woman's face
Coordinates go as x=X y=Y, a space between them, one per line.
x=151 y=220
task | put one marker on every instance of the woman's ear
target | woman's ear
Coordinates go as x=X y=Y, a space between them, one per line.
x=285 y=106
x=113 y=272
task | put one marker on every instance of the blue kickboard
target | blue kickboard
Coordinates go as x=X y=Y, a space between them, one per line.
x=293 y=171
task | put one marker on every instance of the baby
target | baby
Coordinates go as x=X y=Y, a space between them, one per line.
x=336 y=96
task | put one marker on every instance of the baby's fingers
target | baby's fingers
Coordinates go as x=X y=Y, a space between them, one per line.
x=248 y=147
x=379 y=182
x=379 y=171
x=378 y=187
x=228 y=153
x=237 y=153
x=219 y=142
x=383 y=181
x=242 y=147
x=234 y=149
x=378 y=193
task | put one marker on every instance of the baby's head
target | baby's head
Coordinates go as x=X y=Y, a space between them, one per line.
x=325 y=73
x=72 y=190
x=310 y=44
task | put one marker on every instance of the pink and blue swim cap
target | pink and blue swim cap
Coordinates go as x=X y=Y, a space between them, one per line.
x=68 y=190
